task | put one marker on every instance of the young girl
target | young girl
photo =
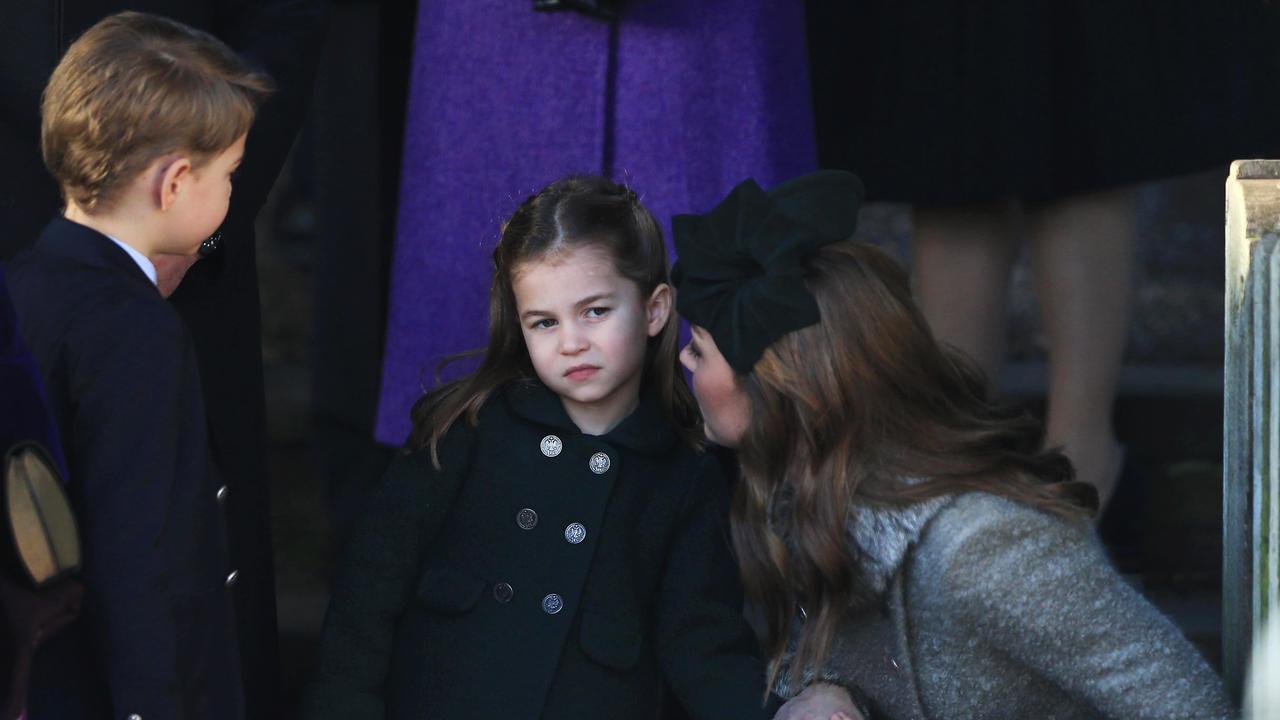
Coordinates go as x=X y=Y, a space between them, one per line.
x=584 y=564
x=902 y=533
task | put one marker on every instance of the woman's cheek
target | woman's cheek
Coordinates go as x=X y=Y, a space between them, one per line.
x=717 y=406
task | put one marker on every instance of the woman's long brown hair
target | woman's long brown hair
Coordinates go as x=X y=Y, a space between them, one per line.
x=574 y=212
x=841 y=413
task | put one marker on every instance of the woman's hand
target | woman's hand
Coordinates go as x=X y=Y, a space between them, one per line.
x=820 y=701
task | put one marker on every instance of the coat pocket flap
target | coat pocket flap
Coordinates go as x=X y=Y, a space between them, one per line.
x=611 y=641
x=449 y=590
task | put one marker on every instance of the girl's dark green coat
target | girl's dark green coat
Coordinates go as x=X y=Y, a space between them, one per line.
x=503 y=615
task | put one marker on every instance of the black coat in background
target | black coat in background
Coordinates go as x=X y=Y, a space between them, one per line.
x=1039 y=100
x=30 y=616
x=573 y=578
x=156 y=636
x=24 y=413
x=219 y=297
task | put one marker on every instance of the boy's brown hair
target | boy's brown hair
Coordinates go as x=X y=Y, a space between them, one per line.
x=133 y=88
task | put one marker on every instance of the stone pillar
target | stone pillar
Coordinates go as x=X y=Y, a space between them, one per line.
x=1251 y=413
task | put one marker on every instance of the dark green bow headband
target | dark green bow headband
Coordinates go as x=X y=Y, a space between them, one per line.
x=740 y=272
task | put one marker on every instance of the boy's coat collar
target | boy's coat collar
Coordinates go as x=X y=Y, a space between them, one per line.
x=83 y=244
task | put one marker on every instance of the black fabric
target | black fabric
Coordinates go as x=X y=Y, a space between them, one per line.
x=603 y=9
x=30 y=615
x=650 y=596
x=376 y=576
x=26 y=416
x=956 y=102
x=740 y=273
x=357 y=181
x=218 y=298
x=156 y=637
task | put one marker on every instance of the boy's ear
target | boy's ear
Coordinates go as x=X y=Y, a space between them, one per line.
x=171 y=174
x=658 y=309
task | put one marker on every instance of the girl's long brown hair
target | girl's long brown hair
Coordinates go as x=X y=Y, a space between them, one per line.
x=841 y=413
x=574 y=212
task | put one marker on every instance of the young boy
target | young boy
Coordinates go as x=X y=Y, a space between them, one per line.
x=143 y=123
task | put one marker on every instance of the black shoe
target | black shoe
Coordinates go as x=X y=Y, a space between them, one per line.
x=1120 y=524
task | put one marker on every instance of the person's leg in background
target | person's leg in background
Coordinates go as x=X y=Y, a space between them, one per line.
x=962 y=259
x=1081 y=252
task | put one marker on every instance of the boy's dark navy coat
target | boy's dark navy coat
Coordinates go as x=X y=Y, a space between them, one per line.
x=156 y=637
x=218 y=298
x=505 y=615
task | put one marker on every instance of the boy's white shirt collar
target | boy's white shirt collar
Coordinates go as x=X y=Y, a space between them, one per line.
x=143 y=261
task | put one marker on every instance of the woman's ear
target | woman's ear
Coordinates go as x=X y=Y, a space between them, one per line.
x=171 y=174
x=658 y=309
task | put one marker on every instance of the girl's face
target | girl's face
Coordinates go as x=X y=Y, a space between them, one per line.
x=586 y=328
x=724 y=405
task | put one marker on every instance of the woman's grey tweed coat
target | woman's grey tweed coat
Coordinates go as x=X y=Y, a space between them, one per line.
x=997 y=610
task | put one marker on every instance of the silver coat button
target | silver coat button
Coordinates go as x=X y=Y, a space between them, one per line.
x=552 y=604
x=599 y=463
x=551 y=446
x=232 y=578
x=527 y=519
x=221 y=494
x=503 y=592
x=135 y=716
x=575 y=533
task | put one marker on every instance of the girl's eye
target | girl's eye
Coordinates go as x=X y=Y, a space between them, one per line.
x=543 y=324
x=597 y=312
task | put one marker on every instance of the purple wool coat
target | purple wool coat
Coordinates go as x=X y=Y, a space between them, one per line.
x=680 y=100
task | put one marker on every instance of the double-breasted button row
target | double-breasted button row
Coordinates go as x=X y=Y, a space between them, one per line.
x=552 y=604
x=552 y=446
x=503 y=592
x=599 y=463
x=527 y=519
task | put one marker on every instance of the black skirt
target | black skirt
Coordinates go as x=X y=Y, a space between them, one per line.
x=957 y=101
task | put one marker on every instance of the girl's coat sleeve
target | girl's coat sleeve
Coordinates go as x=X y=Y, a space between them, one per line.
x=376 y=577
x=707 y=650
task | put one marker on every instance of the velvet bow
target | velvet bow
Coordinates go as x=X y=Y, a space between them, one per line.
x=740 y=273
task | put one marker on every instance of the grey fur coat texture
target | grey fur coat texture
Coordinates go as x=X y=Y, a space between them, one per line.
x=992 y=609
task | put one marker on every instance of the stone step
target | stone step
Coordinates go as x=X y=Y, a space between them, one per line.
x=1030 y=380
